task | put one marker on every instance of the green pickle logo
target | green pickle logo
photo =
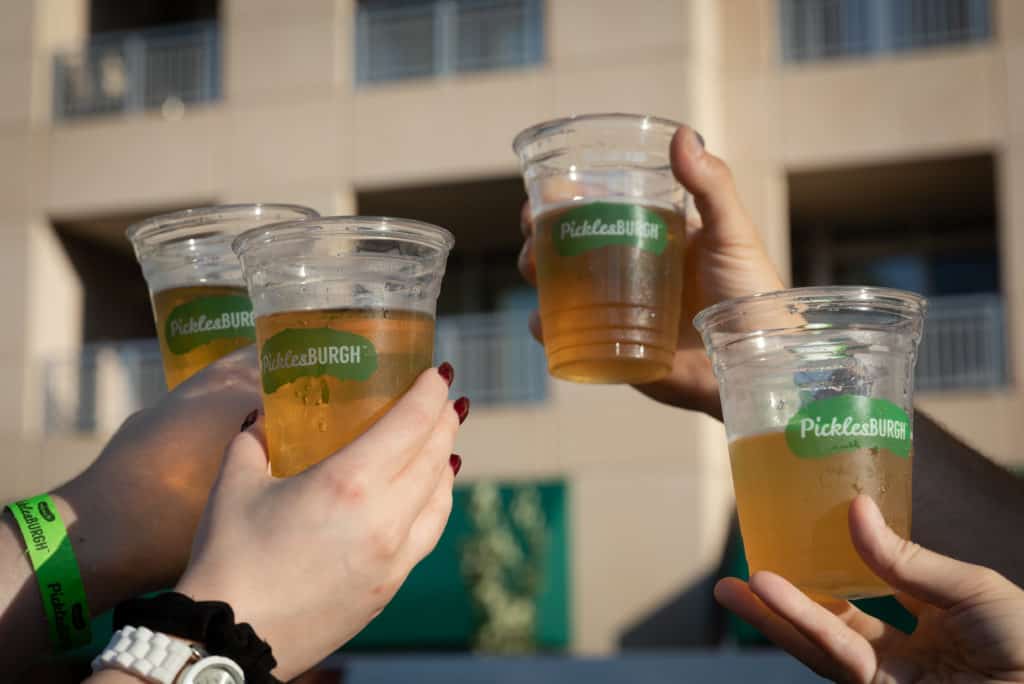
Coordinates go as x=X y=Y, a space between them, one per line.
x=295 y=353
x=206 y=319
x=831 y=426
x=45 y=512
x=603 y=224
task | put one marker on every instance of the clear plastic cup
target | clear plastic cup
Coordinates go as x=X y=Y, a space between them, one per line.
x=345 y=311
x=817 y=389
x=195 y=282
x=609 y=234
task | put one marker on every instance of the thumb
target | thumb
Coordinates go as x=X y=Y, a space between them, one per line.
x=246 y=454
x=710 y=181
x=906 y=566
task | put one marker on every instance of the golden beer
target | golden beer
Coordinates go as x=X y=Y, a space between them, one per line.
x=328 y=375
x=200 y=303
x=198 y=324
x=793 y=511
x=610 y=299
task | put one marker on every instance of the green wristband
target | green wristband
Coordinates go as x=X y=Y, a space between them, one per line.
x=60 y=581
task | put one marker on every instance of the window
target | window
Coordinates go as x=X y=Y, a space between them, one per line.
x=924 y=225
x=399 y=39
x=169 y=66
x=822 y=29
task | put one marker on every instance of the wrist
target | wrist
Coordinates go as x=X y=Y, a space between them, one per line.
x=173 y=631
x=200 y=586
x=23 y=629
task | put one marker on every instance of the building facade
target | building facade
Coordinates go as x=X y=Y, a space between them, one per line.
x=870 y=145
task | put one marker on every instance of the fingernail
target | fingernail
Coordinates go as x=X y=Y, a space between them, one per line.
x=455 y=461
x=249 y=420
x=462 y=408
x=693 y=145
x=447 y=372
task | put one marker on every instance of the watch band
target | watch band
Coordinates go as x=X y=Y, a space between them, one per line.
x=211 y=623
x=162 y=659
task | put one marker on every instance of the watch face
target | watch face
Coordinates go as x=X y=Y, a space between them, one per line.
x=215 y=673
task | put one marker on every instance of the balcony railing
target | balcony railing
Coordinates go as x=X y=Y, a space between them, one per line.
x=497 y=361
x=964 y=348
x=398 y=40
x=496 y=358
x=822 y=29
x=964 y=344
x=95 y=391
x=135 y=71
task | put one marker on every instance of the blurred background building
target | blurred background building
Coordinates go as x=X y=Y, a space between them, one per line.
x=874 y=141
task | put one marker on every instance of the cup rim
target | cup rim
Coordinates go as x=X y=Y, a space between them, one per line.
x=155 y=230
x=901 y=302
x=537 y=131
x=409 y=230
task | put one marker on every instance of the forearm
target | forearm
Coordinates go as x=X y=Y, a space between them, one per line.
x=100 y=552
x=23 y=630
x=966 y=506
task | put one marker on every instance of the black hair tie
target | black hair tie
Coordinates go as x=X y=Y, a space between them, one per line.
x=211 y=623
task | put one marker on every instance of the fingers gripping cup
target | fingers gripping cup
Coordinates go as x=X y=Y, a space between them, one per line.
x=344 y=321
x=609 y=234
x=195 y=283
x=817 y=388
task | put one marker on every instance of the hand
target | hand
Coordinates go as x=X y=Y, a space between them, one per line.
x=132 y=514
x=159 y=468
x=970 y=620
x=308 y=561
x=724 y=258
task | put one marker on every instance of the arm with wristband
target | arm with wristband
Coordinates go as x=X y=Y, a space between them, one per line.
x=368 y=514
x=52 y=575
x=131 y=515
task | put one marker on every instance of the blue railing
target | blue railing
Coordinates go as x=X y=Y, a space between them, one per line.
x=96 y=390
x=498 y=362
x=964 y=344
x=823 y=29
x=139 y=70
x=964 y=348
x=400 y=39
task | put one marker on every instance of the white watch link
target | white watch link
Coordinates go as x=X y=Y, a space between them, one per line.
x=163 y=659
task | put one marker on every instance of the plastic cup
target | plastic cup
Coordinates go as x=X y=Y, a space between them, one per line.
x=609 y=235
x=345 y=311
x=817 y=389
x=195 y=283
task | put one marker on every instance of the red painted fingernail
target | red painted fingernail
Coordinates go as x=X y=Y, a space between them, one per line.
x=462 y=408
x=455 y=461
x=447 y=372
x=249 y=420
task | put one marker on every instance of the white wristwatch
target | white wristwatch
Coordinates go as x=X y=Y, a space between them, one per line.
x=163 y=659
